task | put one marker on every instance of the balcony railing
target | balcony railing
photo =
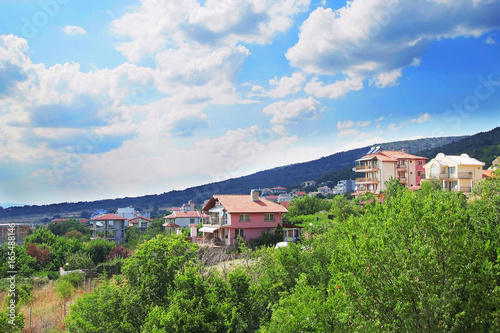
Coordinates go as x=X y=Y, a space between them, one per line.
x=366 y=167
x=401 y=166
x=366 y=180
x=465 y=175
x=402 y=179
x=460 y=175
x=465 y=189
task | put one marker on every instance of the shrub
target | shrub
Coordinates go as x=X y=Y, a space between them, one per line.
x=110 y=268
x=118 y=252
x=6 y=326
x=98 y=249
x=75 y=279
x=64 y=289
x=79 y=261
x=53 y=275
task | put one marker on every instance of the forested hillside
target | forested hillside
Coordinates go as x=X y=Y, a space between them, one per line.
x=484 y=146
x=324 y=169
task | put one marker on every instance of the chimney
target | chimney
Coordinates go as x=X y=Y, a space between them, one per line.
x=191 y=205
x=255 y=195
x=404 y=150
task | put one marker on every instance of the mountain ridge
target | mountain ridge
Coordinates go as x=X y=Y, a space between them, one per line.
x=338 y=165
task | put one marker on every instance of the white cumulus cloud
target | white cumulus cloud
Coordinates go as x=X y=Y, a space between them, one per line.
x=424 y=117
x=292 y=112
x=74 y=30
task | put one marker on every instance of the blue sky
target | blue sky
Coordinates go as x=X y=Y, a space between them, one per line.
x=105 y=99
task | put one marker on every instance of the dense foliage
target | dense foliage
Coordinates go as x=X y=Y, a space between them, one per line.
x=419 y=261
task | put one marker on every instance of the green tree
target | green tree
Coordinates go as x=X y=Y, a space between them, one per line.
x=78 y=261
x=342 y=208
x=155 y=263
x=98 y=249
x=41 y=236
x=307 y=205
x=112 y=307
x=412 y=264
x=306 y=309
x=61 y=228
x=61 y=248
x=205 y=303
x=484 y=210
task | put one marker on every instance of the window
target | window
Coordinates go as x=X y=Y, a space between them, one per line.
x=239 y=232
x=244 y=217
x=191 y=221
x=420 y=163
x=269 y=217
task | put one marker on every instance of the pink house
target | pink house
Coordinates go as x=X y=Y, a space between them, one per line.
x=247 y=216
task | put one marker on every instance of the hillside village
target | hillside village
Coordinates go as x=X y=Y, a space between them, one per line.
x=298 y=233
x=223 y=218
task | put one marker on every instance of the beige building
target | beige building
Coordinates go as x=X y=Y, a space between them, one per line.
x=379 y=166
x=457 y=173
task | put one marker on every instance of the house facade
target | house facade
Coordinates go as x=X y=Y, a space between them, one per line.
x=379 y=166
x=110 y=227
x=456 y=173
x=345 y=185
x=139 y=221
x=247 y=216
x=184 y=219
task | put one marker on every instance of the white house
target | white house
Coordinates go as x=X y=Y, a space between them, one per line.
x=457 y=173
x=184 y=219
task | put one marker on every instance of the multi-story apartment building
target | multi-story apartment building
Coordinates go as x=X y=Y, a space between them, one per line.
x=379 y=166
x=457 y=173
x=110 y=227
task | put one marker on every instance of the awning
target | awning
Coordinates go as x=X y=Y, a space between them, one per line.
x=216 y=209
x=208 y=229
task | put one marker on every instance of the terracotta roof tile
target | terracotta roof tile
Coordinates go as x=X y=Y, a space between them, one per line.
x=244 y=204
x=194 y=214
x=108 y=217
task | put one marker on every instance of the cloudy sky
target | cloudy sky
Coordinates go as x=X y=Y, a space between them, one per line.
x=105 y=99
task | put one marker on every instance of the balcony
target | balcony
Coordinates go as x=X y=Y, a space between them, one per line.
x=465 y=175
x=367 y=181
x=465 y=189
x=460 y=175
x=401 y=167
x=402 y=180
x=363 y=168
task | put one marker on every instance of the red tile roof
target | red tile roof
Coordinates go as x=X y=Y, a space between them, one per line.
x=271 y=197
x=300 y=192
x=170 y=225
x=108 y=217
x=285 y=204
x=235 y=203
x=278 y=188
x=487 y=173
x=194 y=214
x=142 y=217
x=392 y=156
